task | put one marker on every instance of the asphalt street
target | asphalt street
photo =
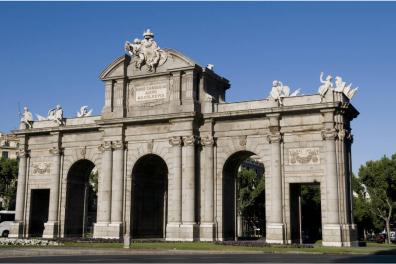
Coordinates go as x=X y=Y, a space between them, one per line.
x=207 y=258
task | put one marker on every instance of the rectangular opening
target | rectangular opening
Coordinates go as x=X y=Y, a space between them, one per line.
x=39 y=203
x=305 y=213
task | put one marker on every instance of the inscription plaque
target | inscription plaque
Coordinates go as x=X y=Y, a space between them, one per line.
x=151 y=92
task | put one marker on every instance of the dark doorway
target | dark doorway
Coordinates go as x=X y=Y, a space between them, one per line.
x=243 y=197
x=81 y=199
x=149 y=190
x=305 y=213
x=39 y=203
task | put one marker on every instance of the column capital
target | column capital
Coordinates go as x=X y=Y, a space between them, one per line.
x=23 y=152
x=118 y=144
x=57 y=151
x=345 y=135
x=175 y=141
x=105 y=146
x=208 y=141
x=329 y=134
x=275 y=138
x=189 y=140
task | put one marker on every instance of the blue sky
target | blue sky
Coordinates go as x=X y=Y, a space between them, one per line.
x=53 y=52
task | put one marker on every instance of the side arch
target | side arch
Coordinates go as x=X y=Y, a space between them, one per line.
x=80 y=199
x=227 y=156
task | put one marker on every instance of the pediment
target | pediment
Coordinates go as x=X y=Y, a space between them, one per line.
x=125 y=66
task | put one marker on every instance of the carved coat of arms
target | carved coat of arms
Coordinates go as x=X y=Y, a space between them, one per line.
x=146 y=52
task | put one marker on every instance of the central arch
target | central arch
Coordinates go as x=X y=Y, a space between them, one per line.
x=149 y=197
x=234 y=222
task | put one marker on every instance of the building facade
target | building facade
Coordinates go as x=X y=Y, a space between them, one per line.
x=8 y=146
x=167 y=148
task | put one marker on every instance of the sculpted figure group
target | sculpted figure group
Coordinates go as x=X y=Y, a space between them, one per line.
x=54 y=114
x=280 y=91
x=146 y=52
x=340 y=86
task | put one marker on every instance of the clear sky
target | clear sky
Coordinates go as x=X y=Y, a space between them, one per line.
x=53 y=53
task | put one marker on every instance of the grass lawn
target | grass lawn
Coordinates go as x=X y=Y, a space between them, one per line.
x=371 y=248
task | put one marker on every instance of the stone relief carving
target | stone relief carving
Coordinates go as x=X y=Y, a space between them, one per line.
x=340 y=86
x=27 y=117
x=280 y=91
x=84 y=111
x=118 y=144
x=189 y=140
x=83 y=152
x=23 y=152
x=242 y=141
x=146 y=52
x=106 y=146
x=208 y=141
x=56 y=151
x=150 y=146
x=175 y=141
x=304 y=156
x=41 y=168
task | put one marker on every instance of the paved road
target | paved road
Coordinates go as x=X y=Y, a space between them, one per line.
x=207 y=258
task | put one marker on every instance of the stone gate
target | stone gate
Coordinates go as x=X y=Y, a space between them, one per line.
x=166 y=147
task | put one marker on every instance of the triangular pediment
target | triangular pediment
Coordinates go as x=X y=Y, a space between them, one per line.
x=126 y=65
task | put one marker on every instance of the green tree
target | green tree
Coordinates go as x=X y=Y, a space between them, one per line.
x=251 y=195
x=8 y=182
x=362 y=215
x=379 y=180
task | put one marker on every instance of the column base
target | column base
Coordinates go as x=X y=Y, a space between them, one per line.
x=349 y=235
x=275 y=233
x=16 y=230
x=332 y=235
x=50 y=230
x=207 y=232
x=108 y=230
x=172 y=232
x=188 y=232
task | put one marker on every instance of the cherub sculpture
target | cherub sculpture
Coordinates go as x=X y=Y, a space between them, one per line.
x=84 y=111
x=279 y=91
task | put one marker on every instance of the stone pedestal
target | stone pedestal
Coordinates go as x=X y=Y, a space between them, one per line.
x=172 y=231
x=188 y=232
x=207 y=232
x=275 y=233
x=114 y=230
x=100 y=230
x=349 y=235
x=332 y=235
x=50 y=230
x=16 y=230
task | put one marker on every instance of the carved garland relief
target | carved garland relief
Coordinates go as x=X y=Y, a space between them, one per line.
x=41 y=168
x=304 y=156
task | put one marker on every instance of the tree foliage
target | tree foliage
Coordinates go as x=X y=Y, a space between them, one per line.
x=378 y=180
x=8 y=182
x=251 y=197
